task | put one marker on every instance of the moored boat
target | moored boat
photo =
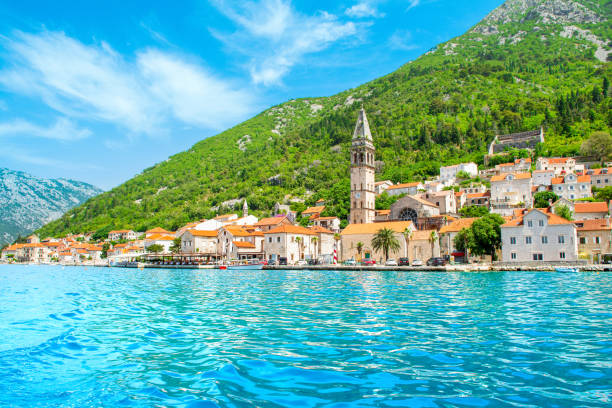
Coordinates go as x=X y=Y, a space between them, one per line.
x=566 y=269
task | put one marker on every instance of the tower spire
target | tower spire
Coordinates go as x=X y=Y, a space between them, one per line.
x=245 y=209
x=362 y=127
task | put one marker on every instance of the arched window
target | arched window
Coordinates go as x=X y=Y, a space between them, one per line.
x=408 y=214
x=361 y=157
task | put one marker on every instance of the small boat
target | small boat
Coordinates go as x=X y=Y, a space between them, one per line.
x=247 y=266
x=566 y=269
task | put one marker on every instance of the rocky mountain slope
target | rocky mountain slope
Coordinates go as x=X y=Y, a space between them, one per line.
x=529 y=63
x=27 y=202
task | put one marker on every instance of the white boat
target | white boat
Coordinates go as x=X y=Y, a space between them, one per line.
x=566 y=269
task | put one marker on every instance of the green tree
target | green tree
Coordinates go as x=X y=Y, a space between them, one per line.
x=359 y=247
x=462 y=240
x=299 y=242
x=407 y=233
x=604 y=194
x=598 y=145
x=384 y=240
x=175 y=248
x=542 y=199
x=105 y=248
x=155 y=248
x=485 y=235
x=472 y=211
x=433 y=237
x=564 y=211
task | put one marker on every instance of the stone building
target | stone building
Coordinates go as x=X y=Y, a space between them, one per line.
x=363 y=193
x=522 y=140
x=594 y=240
x=572 y=186
x=415 y=209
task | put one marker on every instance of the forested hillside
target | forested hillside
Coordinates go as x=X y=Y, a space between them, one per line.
x=530 y=63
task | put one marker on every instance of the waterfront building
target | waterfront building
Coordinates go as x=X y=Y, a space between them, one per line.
x=590 y=211
x=510 y=191
x=200 y=242
x=594 y=240
x=539 y=235
x=381 y=186
x=119 y=235
x=323 y=243
x=405 y=188
x=572 y=186
x=448 y=234
x=363 y=196
x=229 y=234
x=14 y=251
x=600 y=178
x=292 y=242
x=560 y=165
x=158 y=239
x=448 y=174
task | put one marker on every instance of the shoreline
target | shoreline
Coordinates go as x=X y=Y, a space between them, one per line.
x=360 y=268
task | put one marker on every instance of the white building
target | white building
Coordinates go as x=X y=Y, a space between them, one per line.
x=444 y=200
x=560 y=165
x=381 y=186
x=405 y=188
x=601 y=177
x=198 y=241
x=590 y=211
x=448 y=174
x=118 y=235
x=509 y=191
x=165 y=241
x=539 y=235
x=291 y=242
x=518 y=166
x=572 y=186
x=543 y=177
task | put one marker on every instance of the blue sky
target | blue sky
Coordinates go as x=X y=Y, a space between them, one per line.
x=98 y=91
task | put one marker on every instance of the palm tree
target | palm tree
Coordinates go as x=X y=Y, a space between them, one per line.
x=299 y=242
x=407 y=236
x=433 y=237
x=314 y=242
x=359 y=249
x=384 y=240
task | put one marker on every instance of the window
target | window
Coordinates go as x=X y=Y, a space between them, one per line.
x=528 y=240
x=582 y=240
x=513 y=255
x=277 y=239
x=513 y=240
x=541 y=223
x=598 y=181
x=571 y=188
x=544 y=239
x=537 y=257
x=561 y=255
x=530 y=223
x=562 y=239
x=596 y=239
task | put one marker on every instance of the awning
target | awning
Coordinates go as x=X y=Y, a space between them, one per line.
x=458 y=254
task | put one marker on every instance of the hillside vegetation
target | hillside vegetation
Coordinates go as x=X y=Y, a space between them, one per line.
x=530 y=63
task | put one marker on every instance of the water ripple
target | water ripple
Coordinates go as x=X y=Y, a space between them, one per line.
x=100 y=337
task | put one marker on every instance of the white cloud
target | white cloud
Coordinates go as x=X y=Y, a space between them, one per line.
x=363 y=9
x=62 y=129
x=402 y=40
x=413 y=3
x=276 y=37
x=94 y=82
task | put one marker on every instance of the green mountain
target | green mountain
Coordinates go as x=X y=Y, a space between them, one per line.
x=529 y=63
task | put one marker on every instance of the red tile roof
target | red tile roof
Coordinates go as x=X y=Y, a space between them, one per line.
x=596 y=207
x=593 y=225
x=290 y=229
x=243 y=244
x=404 y=185
x=198 y=233
x=517 y=176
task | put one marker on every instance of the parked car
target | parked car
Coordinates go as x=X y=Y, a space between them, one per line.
x=404 y=262
x=417 y=262
x=368 y=262
x=349 y=262
x=313 y=261
x=436 y=262
x=282 y=260
x=391 y=262
x=301 y=262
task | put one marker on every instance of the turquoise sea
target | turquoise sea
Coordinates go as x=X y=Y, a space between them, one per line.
x=101 y=337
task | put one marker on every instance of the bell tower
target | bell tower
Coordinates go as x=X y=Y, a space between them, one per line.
x=362 y=173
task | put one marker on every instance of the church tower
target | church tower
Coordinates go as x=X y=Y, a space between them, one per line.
x=362 y=173
x=245 y=209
